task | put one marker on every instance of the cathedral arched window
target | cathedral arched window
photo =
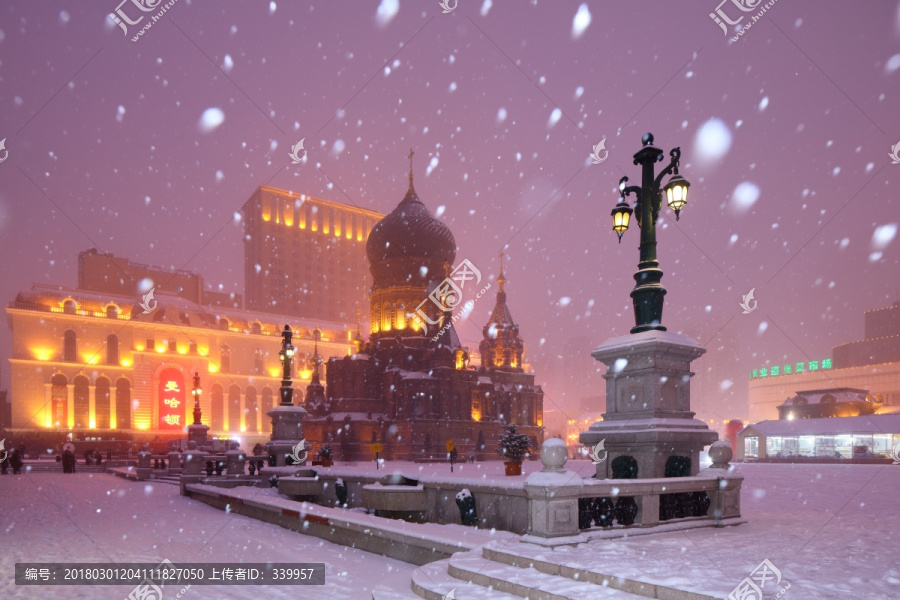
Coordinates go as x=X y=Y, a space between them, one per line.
x=386 y=316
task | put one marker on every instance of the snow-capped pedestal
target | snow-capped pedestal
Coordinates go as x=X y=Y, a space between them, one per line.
x=287 y=431
x=553 y=494
x=175 y=463
x=648 y=403
x=235 y=460
x=198 y=433
x=194 y=459
x=144 y=467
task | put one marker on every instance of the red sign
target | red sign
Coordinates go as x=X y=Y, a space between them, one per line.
x=171 y=399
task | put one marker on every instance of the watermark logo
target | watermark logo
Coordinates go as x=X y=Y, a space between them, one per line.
x=295 y=153
x=5 y=453
x=746 y=6
x=6 y=152
x=595 y=452
x=751 y=588
x=895 y=153
x=895 y=454
x=721 y=18
x=146 y=302
x=600 y=147
x=452 y=594
x=120 y=18
x=149 y=590
x=445 y=4
x=448 y=295
x=747 y=299
x=298 y=454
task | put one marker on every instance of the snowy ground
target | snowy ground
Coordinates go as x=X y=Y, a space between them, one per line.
x=828 y=528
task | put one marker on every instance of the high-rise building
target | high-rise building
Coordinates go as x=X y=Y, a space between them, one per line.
x=305 y=256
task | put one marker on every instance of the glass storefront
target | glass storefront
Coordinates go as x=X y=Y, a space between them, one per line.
x=879 y=445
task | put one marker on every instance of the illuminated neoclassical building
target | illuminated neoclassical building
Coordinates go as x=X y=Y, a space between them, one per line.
x=94 y=364
x=412 y=388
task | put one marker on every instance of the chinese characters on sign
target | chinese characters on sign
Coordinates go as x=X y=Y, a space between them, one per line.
x=171 y=399
x=789 y=369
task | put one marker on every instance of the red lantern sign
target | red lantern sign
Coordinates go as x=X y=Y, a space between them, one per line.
x=171 y=399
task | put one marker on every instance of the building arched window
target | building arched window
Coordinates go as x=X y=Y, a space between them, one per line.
x=234 y=408
x=59 y=400
x=251 y=410
x=225 y=359
x=101 y=403
x=82 y=409
x=123 y=404
x=112 y=311
x=386 y=313
x=69 y=307
x=256 y=328
x=112 y=349
x=268 y=398
x=70 y=346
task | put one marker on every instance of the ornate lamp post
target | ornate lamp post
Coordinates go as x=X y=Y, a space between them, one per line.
x=197 y=432
x=195 y=392
x=648 y=293
x=287 y=426
x=648 y=424
x=286 y=355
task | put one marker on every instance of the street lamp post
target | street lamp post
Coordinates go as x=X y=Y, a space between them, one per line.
x=648 y=293
x=195 y=392
x=286 y=355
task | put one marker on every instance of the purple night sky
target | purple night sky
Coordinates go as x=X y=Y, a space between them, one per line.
x=785 y=137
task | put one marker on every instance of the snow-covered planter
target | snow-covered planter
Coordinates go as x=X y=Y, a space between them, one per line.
x=514 y=447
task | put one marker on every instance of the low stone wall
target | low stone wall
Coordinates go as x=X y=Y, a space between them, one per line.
x=395 y=539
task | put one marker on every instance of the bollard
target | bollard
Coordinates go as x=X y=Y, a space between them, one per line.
x=466 y=502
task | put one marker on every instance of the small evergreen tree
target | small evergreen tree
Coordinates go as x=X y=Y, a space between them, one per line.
x=513 y=445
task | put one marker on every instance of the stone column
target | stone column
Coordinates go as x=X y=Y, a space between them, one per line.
x=194 y=459
x=235 y=459
x=725 y=502
x=175 y=463
x=553 y=494
x=144 y=468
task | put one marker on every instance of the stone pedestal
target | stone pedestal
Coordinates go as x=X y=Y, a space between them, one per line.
x=175 y=463
x=194 y=460
x=553 y=494
x=287 y=432
x=199 y=434
x=725 y=502
x=648 y=403
x=235 y=460
x=144 y=466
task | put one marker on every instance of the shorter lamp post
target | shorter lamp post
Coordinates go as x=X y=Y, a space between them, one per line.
x=195 y=392
x=286 y=355
x=648 y=293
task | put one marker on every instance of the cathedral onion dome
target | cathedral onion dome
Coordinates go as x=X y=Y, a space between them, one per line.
x=411 y=231
x=406 y=240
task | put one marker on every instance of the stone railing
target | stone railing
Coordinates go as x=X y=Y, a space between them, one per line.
x=562 y=506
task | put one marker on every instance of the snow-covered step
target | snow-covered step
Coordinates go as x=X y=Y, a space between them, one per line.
x=560 y=565
x=434 y=582
x=528 y=582
x=170 y=479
